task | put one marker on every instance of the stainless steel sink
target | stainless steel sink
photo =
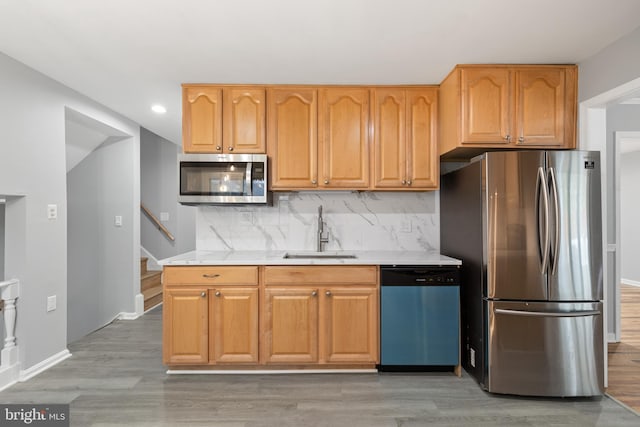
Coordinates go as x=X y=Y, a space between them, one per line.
x=318 y=255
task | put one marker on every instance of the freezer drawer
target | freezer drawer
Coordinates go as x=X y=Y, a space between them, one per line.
x=545 y=349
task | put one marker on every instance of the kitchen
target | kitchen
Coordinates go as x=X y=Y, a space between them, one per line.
x=313 y=211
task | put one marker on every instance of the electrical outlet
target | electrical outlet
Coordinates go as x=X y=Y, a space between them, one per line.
x=51 y=303
x=164 y=216
x=117 y=221
x=52 y=211
x=472 y=357
x=405 y=225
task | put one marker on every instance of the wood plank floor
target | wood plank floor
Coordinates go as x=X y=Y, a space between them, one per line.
x=116 y=378
x=624 y=357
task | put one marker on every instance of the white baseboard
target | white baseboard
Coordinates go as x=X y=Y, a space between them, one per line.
x=139 y=304
x=9 y=376
x=611 y=337
x=127 y=316
x=629 y=282
x=38 y=368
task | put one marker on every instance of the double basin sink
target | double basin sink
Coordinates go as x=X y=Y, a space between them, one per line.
x=318 y=255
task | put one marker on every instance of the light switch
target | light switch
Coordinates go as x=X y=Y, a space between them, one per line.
x=118 y=221
x=52 y=211
x=164 y=216
x=51 y=303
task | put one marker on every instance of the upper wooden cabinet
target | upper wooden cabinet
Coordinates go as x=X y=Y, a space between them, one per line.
x=507 y=106
x=344 y=138
x=404 y=143
x=223 y=119
x=293 y=137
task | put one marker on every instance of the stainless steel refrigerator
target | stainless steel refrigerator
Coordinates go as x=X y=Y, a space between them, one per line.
x=528 y=228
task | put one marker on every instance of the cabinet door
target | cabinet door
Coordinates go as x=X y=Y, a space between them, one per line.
x=233 y=320
x=540 y=106
x=485 y=106
x=291 y=325
x=185 y=326
x=344 y=137
x=244 y=120
x=292 y=138
x=350 y=325
x=422 y=160
x=389 y=151
x=201 y=119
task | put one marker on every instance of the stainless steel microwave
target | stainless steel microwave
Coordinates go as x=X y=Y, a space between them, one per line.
x=221 y=179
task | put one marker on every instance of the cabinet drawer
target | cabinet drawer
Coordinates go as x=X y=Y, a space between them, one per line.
x=244 y=275
x=321 y=275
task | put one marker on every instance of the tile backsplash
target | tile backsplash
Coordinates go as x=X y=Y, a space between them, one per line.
x=354 y=221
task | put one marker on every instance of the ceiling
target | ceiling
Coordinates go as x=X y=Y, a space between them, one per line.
x=128 y=54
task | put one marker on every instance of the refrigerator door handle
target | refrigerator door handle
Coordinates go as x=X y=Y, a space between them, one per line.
x=556 y=213
x=583 y=313
x=543 y=248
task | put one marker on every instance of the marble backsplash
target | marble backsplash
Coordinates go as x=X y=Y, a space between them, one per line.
x=354 y=221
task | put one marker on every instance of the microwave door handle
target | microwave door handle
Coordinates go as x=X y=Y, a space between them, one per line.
x=247 y=180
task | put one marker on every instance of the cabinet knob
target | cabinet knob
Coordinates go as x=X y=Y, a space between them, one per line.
x=203 y=294
x=218 y=293
x=507 y=138
x=218 y=148
x=230 y=148
x=404 y=182
x=314 y=182
x=409 y=182
x=521 y=139
x=326 y=181
x=328 y=293
x=314 y=293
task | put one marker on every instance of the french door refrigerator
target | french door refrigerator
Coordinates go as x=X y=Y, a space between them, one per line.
x=527 y=226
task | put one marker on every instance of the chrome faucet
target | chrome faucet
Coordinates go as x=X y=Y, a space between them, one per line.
x=321 y=239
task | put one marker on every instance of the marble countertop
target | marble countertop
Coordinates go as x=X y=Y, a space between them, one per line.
x=277 y=258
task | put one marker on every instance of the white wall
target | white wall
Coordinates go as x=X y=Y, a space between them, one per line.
x=629 y=209
x=32 y=163
x=159 y=193
x=616 y=65
x=99 y=253
x=354 y=221
x=1 y=241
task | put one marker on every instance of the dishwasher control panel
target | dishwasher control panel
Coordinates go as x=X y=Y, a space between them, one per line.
x=391 y=275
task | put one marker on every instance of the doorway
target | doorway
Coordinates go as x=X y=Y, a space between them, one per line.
x=100 y=226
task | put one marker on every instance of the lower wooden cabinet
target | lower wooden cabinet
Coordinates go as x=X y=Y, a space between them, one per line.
x=307 y=316
x=233 y=325
x=185 y=327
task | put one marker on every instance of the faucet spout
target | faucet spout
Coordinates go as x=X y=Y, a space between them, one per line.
x=320 y=238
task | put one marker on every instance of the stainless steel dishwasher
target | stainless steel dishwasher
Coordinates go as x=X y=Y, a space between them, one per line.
x=419 y=317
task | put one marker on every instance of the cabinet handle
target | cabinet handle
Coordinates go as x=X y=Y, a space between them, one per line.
x=314 y=182
x=218 y=148
x=218 y=293
x=521 y=139
x=203 y=294
x=328 y=293
x=230 y=148
x=326 y=181
x=210 y=276
x=507 y=138
x=314 y=293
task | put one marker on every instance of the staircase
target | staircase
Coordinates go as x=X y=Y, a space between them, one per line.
x=150 y=285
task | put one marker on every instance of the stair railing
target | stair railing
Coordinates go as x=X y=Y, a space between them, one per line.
x=9 y=292
x=157 y=222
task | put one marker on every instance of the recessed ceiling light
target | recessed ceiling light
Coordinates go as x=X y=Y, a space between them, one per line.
x=157 y=108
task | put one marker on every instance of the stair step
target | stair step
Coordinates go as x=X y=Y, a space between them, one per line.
x=150 y=279
x=152 y=302
x=152 y=292
x=143 y=264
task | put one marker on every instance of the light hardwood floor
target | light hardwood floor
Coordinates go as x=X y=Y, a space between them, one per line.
x=624 y=357
x=116 y=378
